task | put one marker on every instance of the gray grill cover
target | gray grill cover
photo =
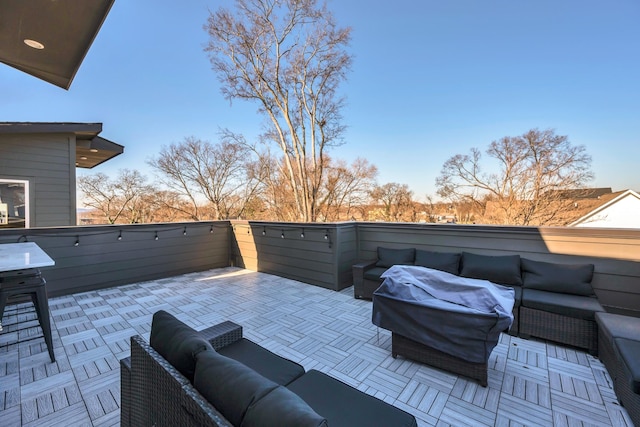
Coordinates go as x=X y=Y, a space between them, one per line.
x=459 y=316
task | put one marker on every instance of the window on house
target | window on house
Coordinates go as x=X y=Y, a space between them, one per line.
x=14 y=203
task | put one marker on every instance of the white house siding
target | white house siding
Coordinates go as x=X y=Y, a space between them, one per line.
x=623 y=212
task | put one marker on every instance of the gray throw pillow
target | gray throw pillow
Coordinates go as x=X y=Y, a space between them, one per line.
x=229 y=385
x=388 y=257
x=500 y=269
x=443 y=261
x=574 y=279
x=177 y=342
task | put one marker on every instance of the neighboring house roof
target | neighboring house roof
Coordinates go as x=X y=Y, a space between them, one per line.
x=620 y=210
x=49 y=39
x=581 y=193
x=91 y=149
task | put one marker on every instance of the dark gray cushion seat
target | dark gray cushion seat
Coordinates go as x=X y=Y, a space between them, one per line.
x=618 y=326
x=561 y=278
x=500 y=269
x=344 y=406
x=282 y=408
x=277 y=369
x=374 y=273
x=575 y=306
x=443 y=261
x=177 y=342
x=629 y=351
x=388 y=257
x=237 y=391
x=229 y=385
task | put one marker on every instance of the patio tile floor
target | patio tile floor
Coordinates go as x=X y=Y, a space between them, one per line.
x=530 y=382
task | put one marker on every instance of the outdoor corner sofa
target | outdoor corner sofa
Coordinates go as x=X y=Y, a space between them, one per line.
x=552 y=301
x=216 y=377
x=619 y=350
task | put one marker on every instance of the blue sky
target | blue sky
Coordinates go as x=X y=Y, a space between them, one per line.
x=430 y=79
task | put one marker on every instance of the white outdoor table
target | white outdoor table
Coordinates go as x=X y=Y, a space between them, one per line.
x=20 y=274
x=22 y=256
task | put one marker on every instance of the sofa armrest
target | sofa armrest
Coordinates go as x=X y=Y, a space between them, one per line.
x=199 y=411
x=125 y=392
x=358 y=271
x=360 y=268
x=222 y=334
x=155 y=387
x=162 y=396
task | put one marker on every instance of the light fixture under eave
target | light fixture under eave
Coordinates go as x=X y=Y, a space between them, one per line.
x=34 y=44
x=83 y=158
x=94 y=150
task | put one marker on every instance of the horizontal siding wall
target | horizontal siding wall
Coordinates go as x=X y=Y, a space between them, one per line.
x=314 y=259
x=45 y=161
x=347 y=252
x=101 y=260
x=614 y=252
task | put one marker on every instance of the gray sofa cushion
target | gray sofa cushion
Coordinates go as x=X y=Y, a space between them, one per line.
x=282 y=408
x=619 y=326
x=344 y=406
x=388 y=257
x=374 y=273
x=277 y=369
x=629 y=351
x=501 y=269
x=229 y=385
x=449 y=262
x=177 y=342
x=575 y=306
x=572 y=279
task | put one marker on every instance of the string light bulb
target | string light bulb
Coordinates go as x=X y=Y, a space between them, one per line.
x=264 y=231
x=282 y=235
x=184 y=233
x=120 y=235
x=156 y=238
x=211 y=229
x=77 y=243
x=302 y=234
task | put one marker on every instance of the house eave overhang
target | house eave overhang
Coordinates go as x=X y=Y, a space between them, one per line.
x=64 y=29
x=91 y=149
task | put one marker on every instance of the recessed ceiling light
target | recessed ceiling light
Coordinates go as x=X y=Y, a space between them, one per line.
x=94 y=150
x=34 y=44
x=83 y=158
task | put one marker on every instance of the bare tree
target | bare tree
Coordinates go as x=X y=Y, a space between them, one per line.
x=119 y=200
x=396 y=200
x=202 y=172
x=289 y=57
x=345 y=188
x=535 y=169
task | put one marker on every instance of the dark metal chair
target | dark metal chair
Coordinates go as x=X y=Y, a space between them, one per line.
x=28 y=282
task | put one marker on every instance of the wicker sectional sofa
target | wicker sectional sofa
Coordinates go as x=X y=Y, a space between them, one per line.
x=619 y=350
x=216 y=377
x=552 y=301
